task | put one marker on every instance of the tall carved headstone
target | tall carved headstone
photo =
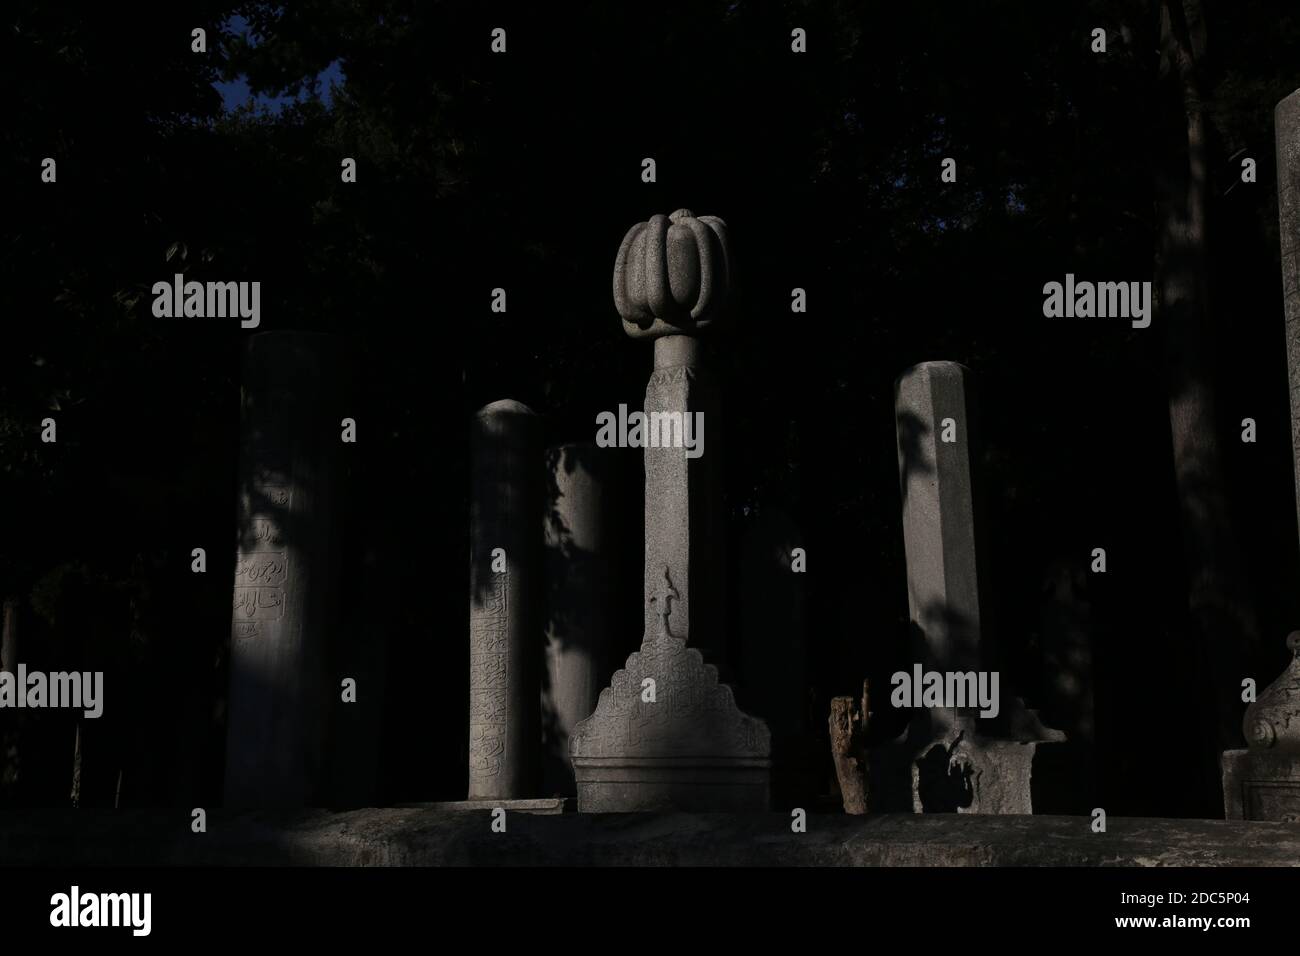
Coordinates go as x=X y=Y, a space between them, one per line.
x=580 y=532
x=1262 y=782
x=666 y=734
x=951 y=759
x=505 y=603
x=672 y=278
x=1286 y=118
x=287 y=571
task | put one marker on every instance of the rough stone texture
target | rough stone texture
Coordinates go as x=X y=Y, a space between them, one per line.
x=1259 y=785
x=1286 y=118
x=943 y=593
x=1263 y=782
x=689 y=747
x=544 y=805
x=683 y=510
x=951 y=760
x=1272 y=722
x=287 y=571
x=506 y=607
x=672 y=275
x=579 y=533
x=417 y=837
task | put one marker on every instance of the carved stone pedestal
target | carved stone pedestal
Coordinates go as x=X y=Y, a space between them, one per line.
x=667 y=736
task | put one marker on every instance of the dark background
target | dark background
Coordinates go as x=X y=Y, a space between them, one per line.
x=522 y=171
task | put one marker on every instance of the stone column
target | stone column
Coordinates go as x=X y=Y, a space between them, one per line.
x=580 y=538
x=950 y=758
x=1263 y=781
x=506 y=627
x=666 y=734
x=683 y=509
x=930 y=404
x=1287 y=121
x=287 y=570
x=671 y=281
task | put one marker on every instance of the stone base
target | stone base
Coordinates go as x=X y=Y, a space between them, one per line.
x=546 y=805
x=973 y=774
x=1261 y=785
x=667 y=736
x=620 y=785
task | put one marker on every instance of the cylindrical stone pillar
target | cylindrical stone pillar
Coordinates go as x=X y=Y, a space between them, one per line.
x=287 y=570
x=581 y=554
x=505 y=603
x=683 y=509
x=1286 y=118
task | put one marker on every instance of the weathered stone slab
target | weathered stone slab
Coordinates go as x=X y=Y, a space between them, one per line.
x=943 y=575
x=1286 y=119
x=287 y=571
x=506 y=603
x=951 y=759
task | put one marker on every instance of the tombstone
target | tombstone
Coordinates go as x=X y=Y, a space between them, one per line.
x=1287 y=121
x=1262 y=782
x=666 y=734
x=672 y=278
x=506 y=608
x=581 y=551
x=287 y=571
x=950 y=758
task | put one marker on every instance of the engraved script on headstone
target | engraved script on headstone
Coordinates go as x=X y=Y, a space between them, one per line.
x=488 y=680
x=261 y=559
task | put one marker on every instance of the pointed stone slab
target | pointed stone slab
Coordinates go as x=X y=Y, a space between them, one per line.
x=690 y=749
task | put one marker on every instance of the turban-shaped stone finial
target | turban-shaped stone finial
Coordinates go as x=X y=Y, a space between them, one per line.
x=672 y=275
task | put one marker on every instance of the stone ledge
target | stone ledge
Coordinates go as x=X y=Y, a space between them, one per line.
x=427 y=837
